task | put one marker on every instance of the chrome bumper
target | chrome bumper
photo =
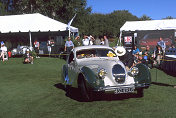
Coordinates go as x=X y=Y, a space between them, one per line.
x=114 y=88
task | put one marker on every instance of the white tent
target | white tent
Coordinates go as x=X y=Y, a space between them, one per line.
x=169 y=24
x=31 y=23
x=149 y=25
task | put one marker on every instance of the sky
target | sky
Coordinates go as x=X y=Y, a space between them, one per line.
x=155 y=9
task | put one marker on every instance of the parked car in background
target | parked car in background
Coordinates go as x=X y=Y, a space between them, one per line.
x=98 y=69
x=20 y=50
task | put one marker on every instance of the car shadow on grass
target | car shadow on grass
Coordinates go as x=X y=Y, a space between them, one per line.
x=163 y=84
x=74 y=94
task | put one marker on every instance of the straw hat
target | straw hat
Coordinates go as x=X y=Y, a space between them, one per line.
x=120 y=51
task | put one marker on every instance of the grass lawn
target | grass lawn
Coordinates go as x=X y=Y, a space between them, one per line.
x=30 y=91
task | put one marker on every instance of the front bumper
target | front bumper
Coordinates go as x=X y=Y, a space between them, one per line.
x=125 y=88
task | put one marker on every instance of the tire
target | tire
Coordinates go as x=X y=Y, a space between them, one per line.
x=140 y=92
x=86 y=94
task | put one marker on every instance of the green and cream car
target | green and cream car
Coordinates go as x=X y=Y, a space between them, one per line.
x=98 y=68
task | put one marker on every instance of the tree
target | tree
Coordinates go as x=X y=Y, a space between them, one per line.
x=169 y=17
x=5 y=7
x=145 y=17
x=108 y=24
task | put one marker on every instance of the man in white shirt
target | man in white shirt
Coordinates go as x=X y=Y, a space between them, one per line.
x=3 y=51
x=86 y=40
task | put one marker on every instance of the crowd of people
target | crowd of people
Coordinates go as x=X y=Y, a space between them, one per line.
x=86 y=41
x=148 y=57
x=151 y=57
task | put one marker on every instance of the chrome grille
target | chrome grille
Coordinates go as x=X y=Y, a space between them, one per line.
x=119 y=73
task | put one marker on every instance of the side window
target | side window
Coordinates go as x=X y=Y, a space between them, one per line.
x=71 y=56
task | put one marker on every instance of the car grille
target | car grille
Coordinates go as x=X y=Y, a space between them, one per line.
x=118 y=73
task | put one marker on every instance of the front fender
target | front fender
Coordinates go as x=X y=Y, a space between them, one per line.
x=144 y=76
x=64 y=73
x=91 y=78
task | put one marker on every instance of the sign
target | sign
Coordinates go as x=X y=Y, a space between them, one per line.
x=128 y=39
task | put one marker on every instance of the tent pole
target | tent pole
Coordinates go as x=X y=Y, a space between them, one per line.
x=120 y=38
x=69 y=32
x=30 y=39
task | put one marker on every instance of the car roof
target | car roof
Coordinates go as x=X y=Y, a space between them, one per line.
x=91 y=47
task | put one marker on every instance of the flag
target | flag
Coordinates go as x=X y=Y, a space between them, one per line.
x=68 y=25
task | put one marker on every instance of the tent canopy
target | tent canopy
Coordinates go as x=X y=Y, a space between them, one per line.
x=31 y=23
x=149 y=25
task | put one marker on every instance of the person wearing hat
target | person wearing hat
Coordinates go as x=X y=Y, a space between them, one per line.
x=125 y=56
x=28 y=57
x=3 y=51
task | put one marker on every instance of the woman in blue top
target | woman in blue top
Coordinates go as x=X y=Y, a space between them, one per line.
x=136 y=50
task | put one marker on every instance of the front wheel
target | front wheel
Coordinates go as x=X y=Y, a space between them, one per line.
x=140 y=92
x=85 y=93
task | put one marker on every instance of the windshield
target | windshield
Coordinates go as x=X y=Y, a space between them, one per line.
x=90 y=53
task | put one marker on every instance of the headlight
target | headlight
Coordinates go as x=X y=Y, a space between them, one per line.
x=102 y=73
x=134 y=71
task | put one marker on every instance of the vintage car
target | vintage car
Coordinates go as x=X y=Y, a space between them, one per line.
x=20 y=50
x=98 y=69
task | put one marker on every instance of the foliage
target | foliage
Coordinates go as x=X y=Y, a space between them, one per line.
x=145 y=17
x=108 y=24
x=94 y=24
x=169 y=17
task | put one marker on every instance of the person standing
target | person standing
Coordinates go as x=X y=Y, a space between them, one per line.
x=102 y=42
x=106 y=42
x=86 y=41
x=49 y=47
x=68 y=45
x=36 y=47
x=77 y=39
x=3 y=51
x=91 y=40
x=162 y=44
x=52 y=46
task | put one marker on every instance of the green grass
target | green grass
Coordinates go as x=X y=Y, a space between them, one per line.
x=28 y=91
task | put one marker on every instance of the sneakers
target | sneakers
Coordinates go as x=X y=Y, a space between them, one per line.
x=32 y=62
x=37 y=57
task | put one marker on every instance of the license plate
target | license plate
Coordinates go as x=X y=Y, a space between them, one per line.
x=124 y=90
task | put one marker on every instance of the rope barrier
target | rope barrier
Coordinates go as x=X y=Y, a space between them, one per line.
x=52 y=54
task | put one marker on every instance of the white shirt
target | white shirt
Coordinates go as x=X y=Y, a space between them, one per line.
x=86 y=41
x=4 y=48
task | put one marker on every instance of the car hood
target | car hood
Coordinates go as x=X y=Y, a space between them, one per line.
x=107 y=64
